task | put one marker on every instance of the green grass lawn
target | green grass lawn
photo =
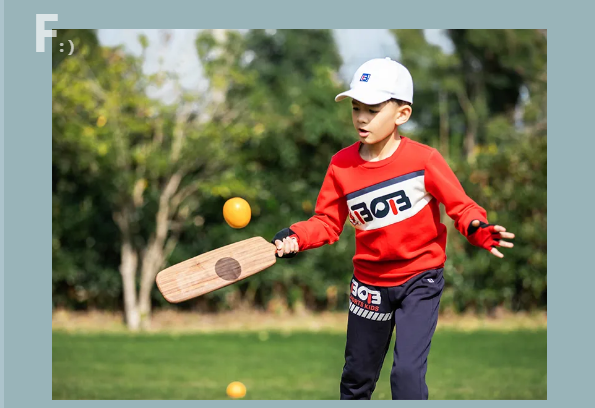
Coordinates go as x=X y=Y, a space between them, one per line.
x=462 y=365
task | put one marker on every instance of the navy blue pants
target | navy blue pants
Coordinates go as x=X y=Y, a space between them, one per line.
x=374 y=312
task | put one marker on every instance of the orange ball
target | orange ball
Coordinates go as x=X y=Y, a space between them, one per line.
x=236 y=390
x=236 y=212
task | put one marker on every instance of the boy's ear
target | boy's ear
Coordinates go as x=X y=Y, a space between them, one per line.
x=403 y=114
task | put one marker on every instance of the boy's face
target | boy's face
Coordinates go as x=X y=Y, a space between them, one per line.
x=375 y=123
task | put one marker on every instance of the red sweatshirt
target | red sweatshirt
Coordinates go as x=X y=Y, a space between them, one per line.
x=393 y=205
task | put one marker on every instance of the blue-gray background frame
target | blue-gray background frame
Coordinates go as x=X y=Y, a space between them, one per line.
x=26 y=172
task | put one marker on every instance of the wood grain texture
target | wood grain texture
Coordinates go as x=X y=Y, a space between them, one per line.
x=215 y=269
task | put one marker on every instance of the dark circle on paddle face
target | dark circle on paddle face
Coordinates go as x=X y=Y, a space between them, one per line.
x=228 y=269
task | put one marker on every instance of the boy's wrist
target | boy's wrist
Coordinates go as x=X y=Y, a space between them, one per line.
x=466 y=222
x=471 y=229
x=285 y=233
x=482 y=235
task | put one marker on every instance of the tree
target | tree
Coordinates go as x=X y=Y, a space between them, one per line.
x=281 y=84
x=152 y=162
x=139 y=185
x=471 y=102
x=79 y=38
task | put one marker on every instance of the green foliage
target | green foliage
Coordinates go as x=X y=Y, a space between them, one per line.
x=81 y=40
x=505 y=172
x=115 y=151
x=510 y=181
x=266 y=131
x=283 y=93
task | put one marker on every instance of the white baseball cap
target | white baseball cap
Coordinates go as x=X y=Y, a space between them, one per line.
x=379 y=80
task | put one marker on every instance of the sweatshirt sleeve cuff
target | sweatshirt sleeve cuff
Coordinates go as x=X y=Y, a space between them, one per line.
x=300 y=234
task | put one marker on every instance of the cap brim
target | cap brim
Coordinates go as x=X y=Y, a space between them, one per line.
x=369 y=97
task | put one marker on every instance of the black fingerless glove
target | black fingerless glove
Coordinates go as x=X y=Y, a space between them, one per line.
x=483 y=236
x=284 y=233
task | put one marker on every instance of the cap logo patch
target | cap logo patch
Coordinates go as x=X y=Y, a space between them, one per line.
x=365 y=78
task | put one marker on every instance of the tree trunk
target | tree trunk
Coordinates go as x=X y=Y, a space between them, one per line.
x=444 y=123
x=472 y=124
x=470 y=141
x=152 y=261
x=128 y=268
x=445 y=150
x=153 y=257
x=128 y=265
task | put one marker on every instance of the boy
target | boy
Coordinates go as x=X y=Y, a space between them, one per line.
x=390 y=188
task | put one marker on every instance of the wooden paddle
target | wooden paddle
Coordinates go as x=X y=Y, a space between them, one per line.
x=215 y=269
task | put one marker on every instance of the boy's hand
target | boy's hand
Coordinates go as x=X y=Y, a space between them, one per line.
x=489 y=236
x=287 y=246
x=286 y=242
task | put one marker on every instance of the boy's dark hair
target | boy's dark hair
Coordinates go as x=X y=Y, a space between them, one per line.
x=400 y=102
